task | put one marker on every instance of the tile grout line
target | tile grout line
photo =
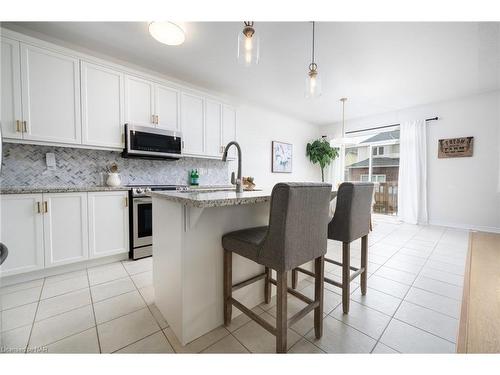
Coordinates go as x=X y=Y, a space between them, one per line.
x=93 y=313
x=402 y=300
x=34 y=318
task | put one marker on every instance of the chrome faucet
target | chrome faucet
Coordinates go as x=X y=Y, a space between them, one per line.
x=235 y=181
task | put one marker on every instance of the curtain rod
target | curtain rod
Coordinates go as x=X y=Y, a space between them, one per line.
x=386 y=126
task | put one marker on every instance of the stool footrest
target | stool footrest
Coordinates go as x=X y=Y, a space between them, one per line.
x=306 y=310
x=356 y=274
x=340 y=264
x=248 y=281
x=253 y=315
x=294 y=293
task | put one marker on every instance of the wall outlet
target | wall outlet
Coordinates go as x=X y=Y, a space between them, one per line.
x=50 y=160
x=202 y=171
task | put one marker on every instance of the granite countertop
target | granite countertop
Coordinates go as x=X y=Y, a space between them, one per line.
x=217 y=198
x=59 y=189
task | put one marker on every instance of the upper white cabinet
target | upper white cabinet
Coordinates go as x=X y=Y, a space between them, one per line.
x=50 y=95
x=229 y=128
x=193 y=123
x=11 y=90
x=108 y=223
x=102 y=106
x=213 y=128
x=65 y=228
x=139 y=101
x=167 y=107
x=22 y=233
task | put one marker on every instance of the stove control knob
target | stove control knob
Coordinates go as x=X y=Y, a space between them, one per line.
x=147 y=190
x=139 y=191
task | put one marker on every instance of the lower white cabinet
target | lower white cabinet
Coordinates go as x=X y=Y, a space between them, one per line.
x=22 y=233
x=47 y=230
x=65 y=228
x=108 y=223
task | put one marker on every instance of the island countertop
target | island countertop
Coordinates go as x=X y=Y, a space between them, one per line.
x=202 y=199
x=220 y=198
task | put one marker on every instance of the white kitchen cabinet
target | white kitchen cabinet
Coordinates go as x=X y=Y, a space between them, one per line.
x=229 y=128
x=65 y=224
x=102 y=106
x=139 y=101
x=213 y=128
x=22 y=233
x=50 y=95
x=167 y=107
x=11 y=89
x=192 y=123
x=108 y=223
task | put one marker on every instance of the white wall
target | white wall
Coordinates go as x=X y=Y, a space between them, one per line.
x=257 y=128
x=462 y=192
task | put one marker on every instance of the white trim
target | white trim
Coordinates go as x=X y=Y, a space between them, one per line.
x=470 y=227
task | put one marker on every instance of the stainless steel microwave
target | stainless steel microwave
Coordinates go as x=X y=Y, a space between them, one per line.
x=151 y=143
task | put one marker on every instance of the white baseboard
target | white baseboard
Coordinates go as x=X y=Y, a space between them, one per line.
x=479 y=228
x=23 y=277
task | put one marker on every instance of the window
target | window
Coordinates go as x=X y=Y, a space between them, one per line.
x=378 y=151
x=375 y=157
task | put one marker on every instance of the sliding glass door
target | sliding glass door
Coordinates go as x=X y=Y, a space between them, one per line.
x=375 y=157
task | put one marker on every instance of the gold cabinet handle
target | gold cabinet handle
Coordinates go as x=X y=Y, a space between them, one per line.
x=126 y=202
x=18 y=126
x=24 y=127
x=38 y=207
x=46 y=207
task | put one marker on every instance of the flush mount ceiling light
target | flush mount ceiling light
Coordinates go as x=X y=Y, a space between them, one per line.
x=168 y=33
x=248 y=45
x=313 y=82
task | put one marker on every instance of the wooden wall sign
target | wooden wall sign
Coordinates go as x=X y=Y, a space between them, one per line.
x=455 y=147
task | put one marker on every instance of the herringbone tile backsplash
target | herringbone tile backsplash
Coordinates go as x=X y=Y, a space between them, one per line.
x=25 y=165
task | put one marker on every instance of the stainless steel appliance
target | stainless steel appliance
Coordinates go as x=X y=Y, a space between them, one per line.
x=151 y=143
x=141 y=219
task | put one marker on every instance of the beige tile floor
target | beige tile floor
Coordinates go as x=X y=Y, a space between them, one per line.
x=412 y=306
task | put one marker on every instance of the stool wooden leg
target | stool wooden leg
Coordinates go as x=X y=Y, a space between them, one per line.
x=295 y=278
x=319 y=271
x=364 y=256
x=267 y=286
x=228 y=285
x=346 y=273
x=281 y=311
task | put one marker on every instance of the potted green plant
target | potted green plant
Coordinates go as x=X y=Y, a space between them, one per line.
x=321 y=152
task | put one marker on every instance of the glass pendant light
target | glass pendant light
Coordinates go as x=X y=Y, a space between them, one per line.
x=248 y=45
x=313 y=82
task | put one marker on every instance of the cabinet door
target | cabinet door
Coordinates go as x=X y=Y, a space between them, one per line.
x=51 y=95
x=102 y=106
x=213 y=128
x=22 y=233
x=65 y=228
x=192 y=123
x=167 y=107
x=108 y=223
x=11 y=89
x=139 y=102
x=229 y=128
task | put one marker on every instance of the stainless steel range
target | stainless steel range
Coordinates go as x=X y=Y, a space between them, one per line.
x=141 y=219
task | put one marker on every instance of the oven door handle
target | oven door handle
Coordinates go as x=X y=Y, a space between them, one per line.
x=143 y=200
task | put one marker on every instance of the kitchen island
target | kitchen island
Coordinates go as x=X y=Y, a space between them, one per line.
x=187 y=255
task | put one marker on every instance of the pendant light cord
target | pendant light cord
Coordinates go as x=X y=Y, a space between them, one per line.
x=313 y=43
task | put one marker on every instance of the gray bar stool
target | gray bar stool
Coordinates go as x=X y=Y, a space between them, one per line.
x=352 y=220
x=297 y=233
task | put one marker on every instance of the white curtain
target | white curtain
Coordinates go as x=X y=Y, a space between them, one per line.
x=412 y=189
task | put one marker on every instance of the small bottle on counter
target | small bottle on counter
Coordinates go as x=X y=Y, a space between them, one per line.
x=194 y=177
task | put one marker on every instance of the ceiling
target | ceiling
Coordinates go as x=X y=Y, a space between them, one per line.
x=380 y=67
